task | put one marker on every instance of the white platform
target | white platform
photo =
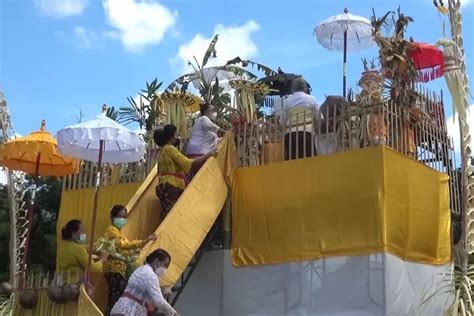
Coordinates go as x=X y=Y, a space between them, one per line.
x=357 y=286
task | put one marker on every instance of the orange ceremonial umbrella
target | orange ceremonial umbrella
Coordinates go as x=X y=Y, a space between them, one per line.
x=35 y=154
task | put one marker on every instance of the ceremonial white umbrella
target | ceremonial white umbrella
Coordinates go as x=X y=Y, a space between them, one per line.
x=100 y=140
x=345 y=32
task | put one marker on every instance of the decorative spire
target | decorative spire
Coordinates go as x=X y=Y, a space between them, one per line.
x=104 y=108
x=43 y=125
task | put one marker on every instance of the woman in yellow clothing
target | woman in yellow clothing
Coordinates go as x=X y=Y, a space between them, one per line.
x=173 y=167
x=72 y=255
x=115 y=270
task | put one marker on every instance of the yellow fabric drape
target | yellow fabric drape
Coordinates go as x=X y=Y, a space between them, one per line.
x=78 y=204
x=184 y=228
x=85 y=306
x=191 y=218
x=354 y=203
x=144 y=209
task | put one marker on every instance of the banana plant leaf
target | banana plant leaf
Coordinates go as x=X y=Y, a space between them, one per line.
x=281 y=83
x=204 y=77
x=245 y=63
x=211 y=51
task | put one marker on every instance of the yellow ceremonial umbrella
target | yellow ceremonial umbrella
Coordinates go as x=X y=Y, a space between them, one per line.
x=35 y=154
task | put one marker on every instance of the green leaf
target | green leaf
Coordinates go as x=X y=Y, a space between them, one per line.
x=211 y=51
x=112 y=113
x=176 y=84
x=244 y=63
x=146 y=97
x=184 y=87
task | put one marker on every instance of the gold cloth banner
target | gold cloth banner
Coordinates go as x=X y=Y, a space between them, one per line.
x=347 y=204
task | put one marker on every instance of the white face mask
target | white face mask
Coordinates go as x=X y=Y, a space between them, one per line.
x=213 y=116
x=160 y=271
x=82 y=238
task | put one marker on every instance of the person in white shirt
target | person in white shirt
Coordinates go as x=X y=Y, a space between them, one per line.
x=300 y=97
x=143 y=288
x=301 y=137
x=205 y=133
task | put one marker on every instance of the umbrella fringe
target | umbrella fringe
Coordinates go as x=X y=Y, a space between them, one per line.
x=353 y=45
x=426 y=75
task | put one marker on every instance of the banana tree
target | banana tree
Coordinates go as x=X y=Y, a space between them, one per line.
x=208 y=79
x=246 y=63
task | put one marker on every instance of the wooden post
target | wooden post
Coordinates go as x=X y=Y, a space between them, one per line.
x=94 y=212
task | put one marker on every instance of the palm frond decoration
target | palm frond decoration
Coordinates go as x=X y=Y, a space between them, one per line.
x=383 y=22
x=208 y=79
x=152 y=90
x=394 y=58
x=146 y=111
x=459 y=285
x=135 y=113
x=112 y=113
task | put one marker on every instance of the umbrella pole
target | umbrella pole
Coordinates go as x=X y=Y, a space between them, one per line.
x=30 y=226
x=94 y=212
x=344 y=74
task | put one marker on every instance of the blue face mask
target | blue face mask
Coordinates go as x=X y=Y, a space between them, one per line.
x=120 y=222
x=82 y=238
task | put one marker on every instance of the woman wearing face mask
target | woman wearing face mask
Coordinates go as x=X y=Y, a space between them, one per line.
x=205 y=133
x=173 y=167
x=115 y=270
x=72 y=257
x=143 y=288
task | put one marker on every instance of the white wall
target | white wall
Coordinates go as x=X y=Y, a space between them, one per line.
x=353 y=286
x=203 y=294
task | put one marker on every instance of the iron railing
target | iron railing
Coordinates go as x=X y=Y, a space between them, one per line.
x=419 y=132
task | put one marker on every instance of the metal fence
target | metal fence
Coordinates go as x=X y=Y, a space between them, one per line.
x=114 y=173
x=419 y=132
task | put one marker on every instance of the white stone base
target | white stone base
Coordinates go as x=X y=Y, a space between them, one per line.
x=379 y=284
